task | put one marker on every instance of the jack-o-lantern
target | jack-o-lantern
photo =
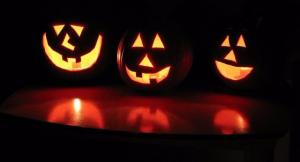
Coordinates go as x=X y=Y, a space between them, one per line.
x=232 y=70
x=71 y=47
x=153 y=60
x=236 y=59
x=77 y=112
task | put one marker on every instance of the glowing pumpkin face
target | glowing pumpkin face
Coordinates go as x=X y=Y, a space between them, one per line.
x=71 y=47
x=151 y=61
x=229 y=66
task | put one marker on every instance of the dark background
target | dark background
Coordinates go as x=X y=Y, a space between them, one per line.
x=25 y=65
x=202 y=23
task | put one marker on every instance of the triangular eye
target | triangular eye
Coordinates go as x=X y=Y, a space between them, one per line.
x=138 y=41
x=58 y=28
x=226 y=42
x=241 y=42
x=157 y=43
x=78 y=29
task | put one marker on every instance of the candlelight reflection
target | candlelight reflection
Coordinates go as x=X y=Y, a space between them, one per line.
x=148 y=120
x=231 y=122
x=77 y=112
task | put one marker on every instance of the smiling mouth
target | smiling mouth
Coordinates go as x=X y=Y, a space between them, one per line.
x=148 y=78
x=233 y=72
x=86 y=61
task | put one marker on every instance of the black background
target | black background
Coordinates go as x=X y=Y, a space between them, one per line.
x=23 y=63
x=23 y=24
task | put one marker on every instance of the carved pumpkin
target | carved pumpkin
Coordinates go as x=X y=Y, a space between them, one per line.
x=153 y=60
x=236 y=58
x=231 y=71
x=71 y=47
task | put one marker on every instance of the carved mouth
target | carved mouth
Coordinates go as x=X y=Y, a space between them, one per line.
x=86 y=60
x=233 y=72
x=148 y=78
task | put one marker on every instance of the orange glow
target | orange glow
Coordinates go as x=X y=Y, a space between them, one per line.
x=78 y=29
x=230 y=122
x=241 y=42
x=233 y=72
x=146 y=77
x=77 y=105
x=148 y=120
x=77 y=112
x=226 y=42
x=231 y=56
x=146 y=62
x=138 y=41
x=66 y=43
x=58 y=28
x=157 y=43
x=87 y=60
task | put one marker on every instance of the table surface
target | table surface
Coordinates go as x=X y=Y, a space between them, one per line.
x=120 y=109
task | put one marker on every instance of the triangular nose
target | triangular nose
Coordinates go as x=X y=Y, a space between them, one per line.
x=146 y=62
x=230 y=56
